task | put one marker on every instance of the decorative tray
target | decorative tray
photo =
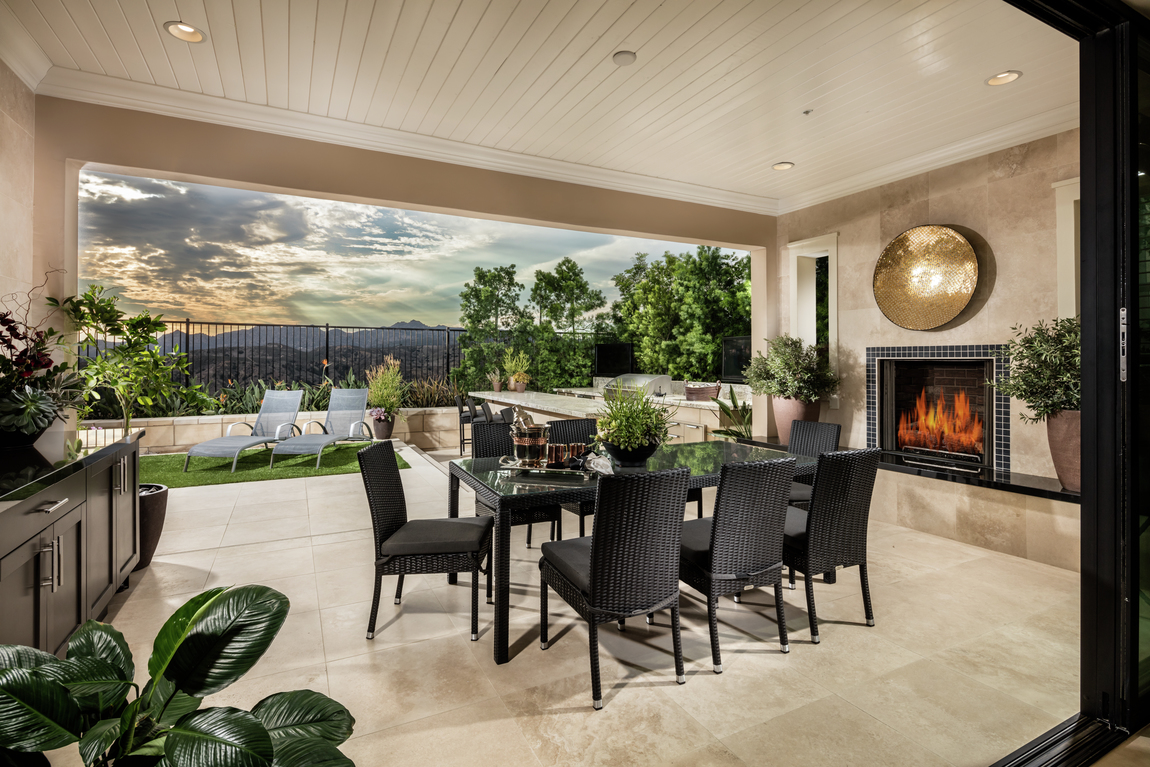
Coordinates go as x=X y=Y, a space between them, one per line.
x=509 y=464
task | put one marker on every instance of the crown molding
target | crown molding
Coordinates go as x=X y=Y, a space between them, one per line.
x=146 y=97
x=1032 y=128
x=19 y=51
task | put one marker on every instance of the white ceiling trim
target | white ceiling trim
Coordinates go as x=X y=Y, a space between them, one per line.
x=1033 y=128
x=20 y=51
x=145 y=97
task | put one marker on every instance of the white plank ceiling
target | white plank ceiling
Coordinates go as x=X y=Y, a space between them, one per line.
x=716 y=97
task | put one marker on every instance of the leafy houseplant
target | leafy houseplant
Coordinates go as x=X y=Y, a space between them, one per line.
x=631 y=428
x=205 y=646
x=385 y=392
x=738 y=414
x=796 y=376
x=1044 y=370
x=515 y=364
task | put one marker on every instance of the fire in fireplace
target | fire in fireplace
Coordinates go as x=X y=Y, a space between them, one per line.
x=937 y=409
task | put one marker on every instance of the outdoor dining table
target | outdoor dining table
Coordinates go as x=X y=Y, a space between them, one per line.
x=505 y=491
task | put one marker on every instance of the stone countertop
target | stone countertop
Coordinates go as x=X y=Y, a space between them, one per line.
x=674 y=400
x=571 y=407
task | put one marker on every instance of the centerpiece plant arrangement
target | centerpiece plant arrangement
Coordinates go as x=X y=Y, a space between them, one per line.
x=91 y=698
x=631 y=427
x=386 y=391
x=495 y=378
x=515 y=364
x=35 y=389
x=1043 y=367
x=796 y=376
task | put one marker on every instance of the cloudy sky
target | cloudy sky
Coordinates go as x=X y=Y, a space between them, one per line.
x=230 y=255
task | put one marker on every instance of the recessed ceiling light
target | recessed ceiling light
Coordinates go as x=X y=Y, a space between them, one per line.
x=624 y=58
x=1002 y=78
x=783 y=165
x=185 y=32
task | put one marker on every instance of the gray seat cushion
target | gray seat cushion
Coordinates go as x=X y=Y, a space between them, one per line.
x=795 y=530
x=572 y=558
x=800 y=493
x=308 y=444
x=226 y=447
x=438 y=536
x=696 y=544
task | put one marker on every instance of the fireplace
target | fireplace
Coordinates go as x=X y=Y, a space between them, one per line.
x=931 y=406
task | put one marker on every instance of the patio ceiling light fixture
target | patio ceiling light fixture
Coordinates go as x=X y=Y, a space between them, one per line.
x=185 y=32
x=783 y=165
x=624 y=58
x=1004 y=78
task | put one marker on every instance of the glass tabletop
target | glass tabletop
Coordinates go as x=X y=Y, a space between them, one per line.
x=704 y=459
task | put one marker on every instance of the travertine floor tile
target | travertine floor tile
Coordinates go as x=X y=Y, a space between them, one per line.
x=195 y=539
x=249 y=690
x=263 y=512
x=194 y=520
x=230 y=569
x=298 y=645
x=168 y=574
x=419 y=617
x=711 y=755
x=240 y=533
x=357 y=584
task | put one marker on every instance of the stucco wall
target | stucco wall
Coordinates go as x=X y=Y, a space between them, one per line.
x=17 y=131
x=1005 y=204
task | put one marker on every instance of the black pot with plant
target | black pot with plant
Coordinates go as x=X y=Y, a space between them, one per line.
x=796 y=376
x=208 y=644
x=153 y=512
x=631 y=428
x=386 y=390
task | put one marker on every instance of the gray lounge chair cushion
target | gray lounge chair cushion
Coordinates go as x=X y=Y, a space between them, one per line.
x=572 y=558
x=437 y=536
x=696 y=543
x=308 y=444
x=227 y=447
x=344 y=416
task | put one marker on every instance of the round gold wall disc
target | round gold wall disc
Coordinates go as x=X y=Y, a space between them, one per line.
x=925 y=277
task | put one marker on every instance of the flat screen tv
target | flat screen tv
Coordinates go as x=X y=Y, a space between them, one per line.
x=613 y=360
x=736 y=357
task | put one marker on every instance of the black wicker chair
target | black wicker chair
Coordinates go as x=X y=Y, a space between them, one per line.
x=421 y=545
x=741 y=544
x=493 y=440
x=628 y=566
x=566 y=432
x=810 y=438
x=833 y=532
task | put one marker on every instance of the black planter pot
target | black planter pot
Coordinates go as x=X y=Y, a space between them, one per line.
x=630 y=458
x=17 y=439
x=153 y=510
x=382 y=429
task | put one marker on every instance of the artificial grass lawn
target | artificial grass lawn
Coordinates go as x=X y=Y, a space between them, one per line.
x=252 y=467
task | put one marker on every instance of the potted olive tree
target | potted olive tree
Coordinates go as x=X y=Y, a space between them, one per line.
x=796 y=376
x=385 y=392
x=1044 y=370
x=631 y=428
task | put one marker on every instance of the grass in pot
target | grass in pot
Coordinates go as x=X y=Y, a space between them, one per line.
x=496 y=379
x=1044 y=370
x=796 y=376
x=386 y=391
x=631 y=428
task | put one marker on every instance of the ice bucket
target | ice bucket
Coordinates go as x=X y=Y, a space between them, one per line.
x=530 y=442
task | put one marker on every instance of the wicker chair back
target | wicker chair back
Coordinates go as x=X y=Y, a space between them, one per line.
x=491 y=440
x=471 y=409
x=813 y=438
x=635 y=545
x=345 y=412
x=750 y=514
x=278 y=407
x=459 y=407
x=840 y=509
x=384 y=489
x=573 y=430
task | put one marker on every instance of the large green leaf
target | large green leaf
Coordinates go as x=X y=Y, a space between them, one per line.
x=100 y=640
x=219 y=736
x=99 y=738
x=175 y=629
x=168 y=703
x=94 y=684
x=304 y=714
x=35 y=714
x=309 y=752
x=9 y=758
x=19 y=656
x=226 y=639
x=152 y=747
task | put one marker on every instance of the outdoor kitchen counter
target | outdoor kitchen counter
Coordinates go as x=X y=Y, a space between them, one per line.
x=547 y=404
x=672 y=400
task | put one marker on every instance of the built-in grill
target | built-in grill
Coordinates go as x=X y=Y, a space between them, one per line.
x=637 y=382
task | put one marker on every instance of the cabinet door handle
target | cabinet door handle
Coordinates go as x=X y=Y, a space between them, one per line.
x=50 y=580
x=53 y=506
x=690 y=426
x=59 y=557
x=123 y=475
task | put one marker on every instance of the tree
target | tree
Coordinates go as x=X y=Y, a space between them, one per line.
x=488 y=309
x=564 y=296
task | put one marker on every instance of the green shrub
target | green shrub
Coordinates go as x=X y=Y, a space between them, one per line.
x=1045 y=368
x=631 y=421
x=386 y=388
x=793 y=370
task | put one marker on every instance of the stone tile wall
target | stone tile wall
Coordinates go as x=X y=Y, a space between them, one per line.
x=17 y=131
x=1004 y=204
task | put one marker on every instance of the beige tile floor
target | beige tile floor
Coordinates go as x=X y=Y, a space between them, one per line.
x=974 y=653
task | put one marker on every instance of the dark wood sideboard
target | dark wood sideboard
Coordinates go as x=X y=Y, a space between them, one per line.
x=69 y=537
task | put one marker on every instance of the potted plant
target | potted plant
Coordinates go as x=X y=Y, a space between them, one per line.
x=796 y=376
x=737 y=416
x=516 y=364
x=631 y=428
x=386 y=390
x=206 y=646
x=1044 y=370
x=35 y=390
x=496 y=379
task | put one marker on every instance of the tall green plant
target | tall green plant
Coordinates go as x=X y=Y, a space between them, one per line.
x=206 y=645
x=1044 y=368
x=386 y=388
x=793 y=370
x=738 y=415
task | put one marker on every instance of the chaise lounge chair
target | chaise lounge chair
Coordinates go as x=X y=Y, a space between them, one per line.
x=275 y=422
x=344 y=420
